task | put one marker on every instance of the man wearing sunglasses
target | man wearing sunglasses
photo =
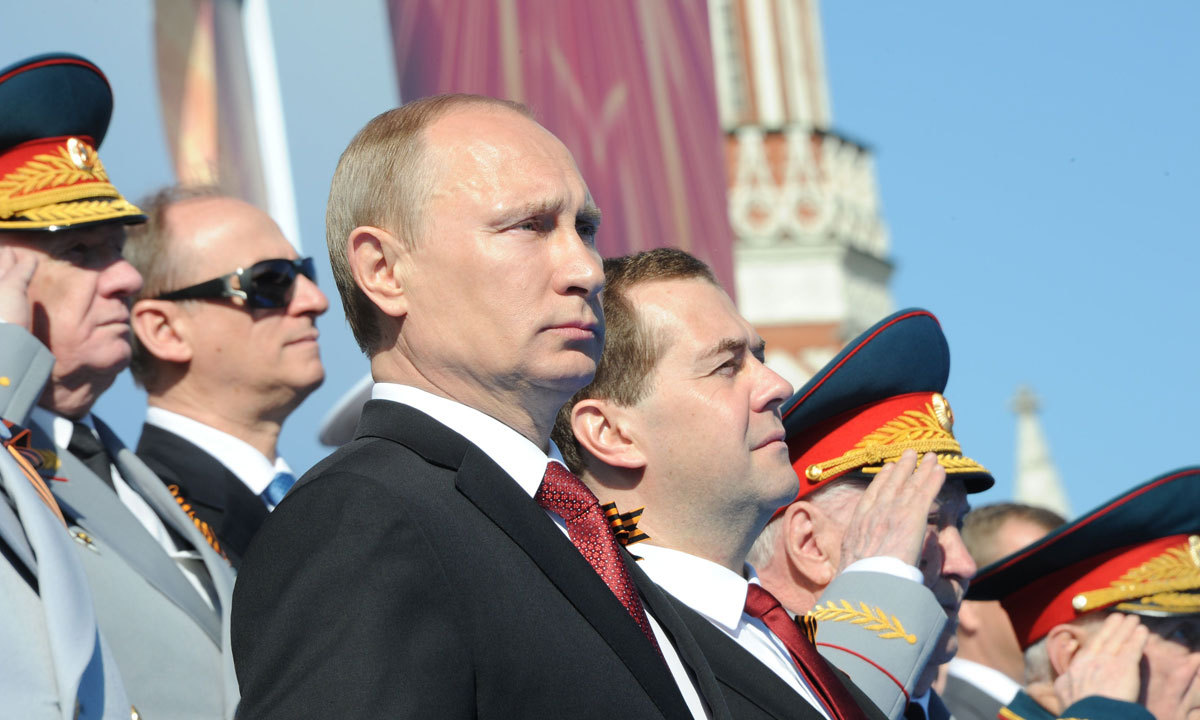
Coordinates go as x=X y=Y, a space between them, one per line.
x=225 y=344
x=110 y=596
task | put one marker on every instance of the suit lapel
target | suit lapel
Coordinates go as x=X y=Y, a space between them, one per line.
x=97 y=509
x=502 y=501
x=237 y=513
x=499 y=498
x=663 y=609
x=742 y=672
x=154 y=492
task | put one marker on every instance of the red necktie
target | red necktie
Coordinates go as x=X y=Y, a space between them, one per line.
x=837 y=700
x=564 y=495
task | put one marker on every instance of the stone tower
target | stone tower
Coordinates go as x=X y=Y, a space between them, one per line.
x=810 y=259
x=1037 y=480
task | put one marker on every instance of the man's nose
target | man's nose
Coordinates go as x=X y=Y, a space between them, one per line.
x=119 y=279
x=580 y=270
x=307 y=298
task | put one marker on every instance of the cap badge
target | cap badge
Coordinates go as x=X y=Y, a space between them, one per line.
x=941 y=410
x=82 y=154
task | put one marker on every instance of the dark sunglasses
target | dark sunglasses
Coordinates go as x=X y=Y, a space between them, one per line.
x=265 y=284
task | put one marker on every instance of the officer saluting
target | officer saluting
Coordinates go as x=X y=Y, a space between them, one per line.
x=1112 y=596
x=109 y=595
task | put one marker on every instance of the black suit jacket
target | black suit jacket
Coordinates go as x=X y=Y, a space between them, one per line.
x=217 y=496
x=407 y=575
x=752 y=690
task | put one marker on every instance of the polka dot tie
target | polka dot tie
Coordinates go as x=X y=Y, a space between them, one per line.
x=838 y=701
x=564 y=495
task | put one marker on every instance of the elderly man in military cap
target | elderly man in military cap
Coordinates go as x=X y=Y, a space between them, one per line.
x=158 y=592
x=874 y=407
x=1121 y=583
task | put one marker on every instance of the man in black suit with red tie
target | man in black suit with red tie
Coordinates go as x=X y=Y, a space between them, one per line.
x=444 y=563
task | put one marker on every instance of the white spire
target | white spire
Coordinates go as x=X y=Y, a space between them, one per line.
x=1037 y=482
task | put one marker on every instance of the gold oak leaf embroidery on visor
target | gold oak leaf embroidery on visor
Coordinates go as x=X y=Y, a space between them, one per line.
x=1158 y=581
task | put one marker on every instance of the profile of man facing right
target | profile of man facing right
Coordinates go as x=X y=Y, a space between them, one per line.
x=445 y=564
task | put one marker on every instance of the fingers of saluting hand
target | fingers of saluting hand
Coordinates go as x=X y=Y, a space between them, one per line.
x=16 y=272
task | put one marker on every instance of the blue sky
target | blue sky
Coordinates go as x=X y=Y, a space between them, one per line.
x=1038 y=165
x=1040 y=172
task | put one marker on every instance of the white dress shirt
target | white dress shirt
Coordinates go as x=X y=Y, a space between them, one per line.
x=254 y=469
x=190 y=562
x=719 y=594
x=526 y=464
x=991 y=681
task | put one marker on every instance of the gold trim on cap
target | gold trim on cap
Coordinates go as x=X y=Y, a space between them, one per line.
x=1162 y=577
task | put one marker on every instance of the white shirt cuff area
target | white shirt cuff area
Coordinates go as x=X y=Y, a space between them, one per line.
x=887 y=565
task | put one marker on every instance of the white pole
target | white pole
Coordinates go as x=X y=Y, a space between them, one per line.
x=269 y=119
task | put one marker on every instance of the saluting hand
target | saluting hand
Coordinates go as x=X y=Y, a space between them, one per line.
x=1108 y=665
x=16 y=272
x=892 y=517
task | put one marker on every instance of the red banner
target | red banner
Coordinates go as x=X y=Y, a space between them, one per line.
x=626 y=84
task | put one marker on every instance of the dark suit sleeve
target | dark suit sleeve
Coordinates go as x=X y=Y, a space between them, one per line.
x=342 y=609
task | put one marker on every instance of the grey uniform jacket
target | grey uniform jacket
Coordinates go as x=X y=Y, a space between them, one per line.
x=170 y=647
x=881 y=631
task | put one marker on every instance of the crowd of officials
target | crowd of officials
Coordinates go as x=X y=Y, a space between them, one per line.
x=576 y=491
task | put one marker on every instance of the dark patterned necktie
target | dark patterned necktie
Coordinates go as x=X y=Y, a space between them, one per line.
x=837 y=700
x=566 y=496
x=88 y=448
x=914 y=711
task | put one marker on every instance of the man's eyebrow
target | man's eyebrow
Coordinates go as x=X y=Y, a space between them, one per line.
x=589 y=213
x=730 y=345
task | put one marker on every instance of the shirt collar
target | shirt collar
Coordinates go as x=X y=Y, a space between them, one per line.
x=238 y=456
x=512 y=451
x=59 y=427
x=993 y=682
x=714 y=591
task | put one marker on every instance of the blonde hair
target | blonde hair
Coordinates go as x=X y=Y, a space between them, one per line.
x=383 y=180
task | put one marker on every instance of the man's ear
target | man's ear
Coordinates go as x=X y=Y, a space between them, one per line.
x=601 y=429
x=805 y=545
x=161 y=330
x=1062 y=643
x=375 y=257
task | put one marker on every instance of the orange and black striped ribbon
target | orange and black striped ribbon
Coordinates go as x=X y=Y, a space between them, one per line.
x=204 y=528
x=624 y=525
x=29 y=460
x=808 y=626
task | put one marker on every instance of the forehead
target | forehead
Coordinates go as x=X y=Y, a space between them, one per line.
x=500 y=160
x=952 y=498
x=218 y=235
x=692 y=315
x=49 y=242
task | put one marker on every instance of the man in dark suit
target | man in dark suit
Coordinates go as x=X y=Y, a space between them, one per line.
x=444 y=563
x=225 y=344
x=682 y=421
